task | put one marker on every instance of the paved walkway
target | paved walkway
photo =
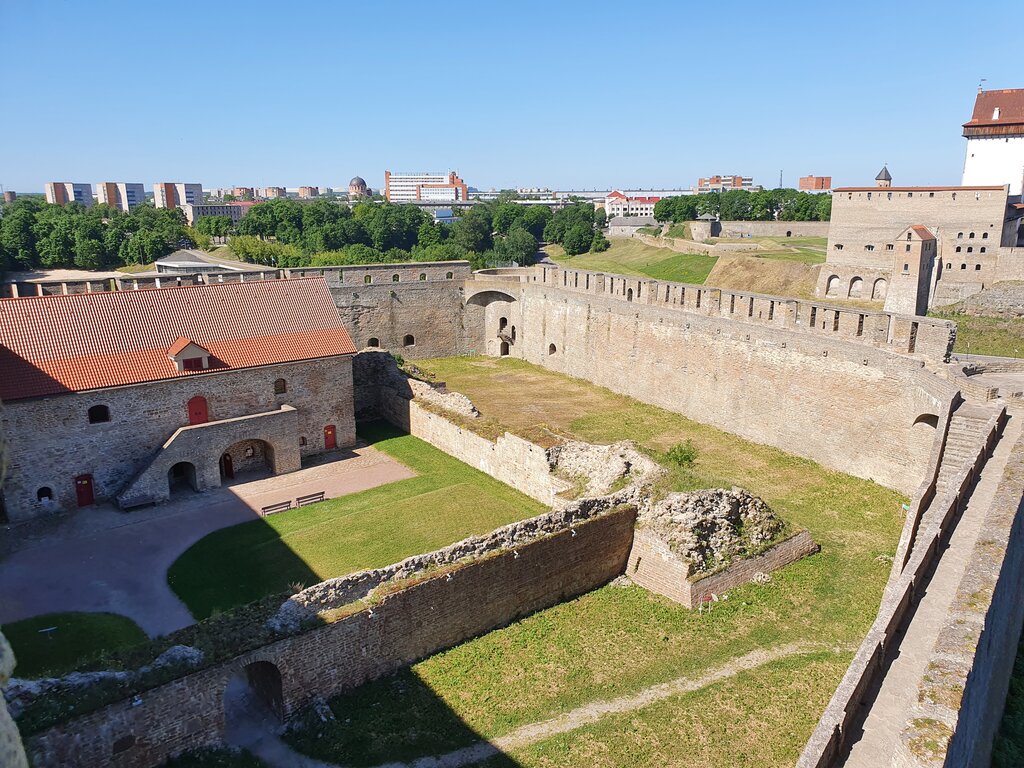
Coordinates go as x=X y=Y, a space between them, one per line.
x=102 y=559
x=891 y=708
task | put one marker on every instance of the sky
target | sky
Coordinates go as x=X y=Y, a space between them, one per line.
x=559 y=94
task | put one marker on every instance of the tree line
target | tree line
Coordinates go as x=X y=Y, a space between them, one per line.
x=744 y=205
x=35 y=234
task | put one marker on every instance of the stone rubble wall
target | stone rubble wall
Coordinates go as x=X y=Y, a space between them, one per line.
x=600 y=467
x=402 y=627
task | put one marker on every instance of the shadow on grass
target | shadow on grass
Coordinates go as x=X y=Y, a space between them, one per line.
x=395 y=719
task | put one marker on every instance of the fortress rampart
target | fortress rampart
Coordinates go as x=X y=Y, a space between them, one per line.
x=752 y=365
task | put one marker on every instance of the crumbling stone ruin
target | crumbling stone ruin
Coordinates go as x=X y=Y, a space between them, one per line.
x=711 y=528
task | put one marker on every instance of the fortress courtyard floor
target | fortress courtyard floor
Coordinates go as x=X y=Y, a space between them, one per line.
x=102 y=559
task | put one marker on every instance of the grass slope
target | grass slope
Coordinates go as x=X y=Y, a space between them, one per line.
x=775 y=277
x=77 y=637
x=986 y=335
x=447 y=501
x=620 y=640
x=631 y=257
x=805 y=250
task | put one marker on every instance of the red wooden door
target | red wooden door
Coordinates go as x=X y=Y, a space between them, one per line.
x=84 y=490
x=198 y=413
x=329 y=439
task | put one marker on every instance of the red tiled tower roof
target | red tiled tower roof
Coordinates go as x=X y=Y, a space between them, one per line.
x=997 y=113
x=52 y=345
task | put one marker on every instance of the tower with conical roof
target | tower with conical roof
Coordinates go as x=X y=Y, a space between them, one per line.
x=884 y=178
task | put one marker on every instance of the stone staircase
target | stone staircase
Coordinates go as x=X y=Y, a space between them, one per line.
x=963 y=441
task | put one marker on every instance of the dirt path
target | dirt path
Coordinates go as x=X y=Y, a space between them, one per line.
x=591 y=713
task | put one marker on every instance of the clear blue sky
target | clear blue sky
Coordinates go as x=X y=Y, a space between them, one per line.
x=553 y=93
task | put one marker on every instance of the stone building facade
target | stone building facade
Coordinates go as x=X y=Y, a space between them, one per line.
x=109 y=413
x=978 y=235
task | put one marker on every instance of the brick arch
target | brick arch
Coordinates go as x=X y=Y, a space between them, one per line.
x=488 y=296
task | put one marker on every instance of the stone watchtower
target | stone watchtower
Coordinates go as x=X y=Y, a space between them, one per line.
x=883 y=179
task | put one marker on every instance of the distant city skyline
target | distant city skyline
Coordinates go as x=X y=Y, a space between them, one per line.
x=564 y=96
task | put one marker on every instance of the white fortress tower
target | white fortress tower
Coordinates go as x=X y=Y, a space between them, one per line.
x=995 y=140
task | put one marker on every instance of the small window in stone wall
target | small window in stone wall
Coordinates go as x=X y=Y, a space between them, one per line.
x=963 y=266
x=280 y=387
x=44 y=494
x=449 y=275
x=367 y=279
x=423 y=275
x=982 y=249
x=99 y=414
x=395 y=278
x=984 y=235
x=302 y=441
x=373 y=341
x=977 y=267
x=552 y=349
x=409 y=340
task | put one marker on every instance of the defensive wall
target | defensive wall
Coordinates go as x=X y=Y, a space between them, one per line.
x=446 y=607
x=833 y=384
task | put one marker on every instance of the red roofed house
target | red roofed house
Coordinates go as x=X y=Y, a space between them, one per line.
x=619 y=204
x=995 y=140
x=130 y=396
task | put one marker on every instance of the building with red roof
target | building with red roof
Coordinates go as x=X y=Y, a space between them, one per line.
x=133 y=395
x=995 y=140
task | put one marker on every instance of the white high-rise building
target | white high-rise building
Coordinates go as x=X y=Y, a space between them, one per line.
x=119 y=194
x=64 y=192
x=995 y=141
x=428 y=187
x=174 y=195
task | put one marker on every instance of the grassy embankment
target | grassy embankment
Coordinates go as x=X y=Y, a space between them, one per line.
x=620 y=640
x=986 y=335
x=73 y=638
x=445 y=502
x=631 y=257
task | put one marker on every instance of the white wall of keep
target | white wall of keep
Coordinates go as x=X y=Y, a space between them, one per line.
x=996 y=160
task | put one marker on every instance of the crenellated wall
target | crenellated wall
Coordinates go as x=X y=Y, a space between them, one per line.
x=753 y=365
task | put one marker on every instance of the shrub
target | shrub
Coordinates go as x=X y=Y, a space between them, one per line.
x=399 y=360
x=682 y=454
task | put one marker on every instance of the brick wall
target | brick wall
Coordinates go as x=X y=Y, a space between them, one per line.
x=404 y=627
x=654 y=566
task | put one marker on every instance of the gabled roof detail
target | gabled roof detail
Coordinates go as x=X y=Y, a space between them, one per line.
x=181 y=345
x=884 y=175
x=922 y=231
x=52 y=345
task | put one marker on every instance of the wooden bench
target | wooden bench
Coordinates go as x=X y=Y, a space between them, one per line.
x=272 y=508
x=312 y=498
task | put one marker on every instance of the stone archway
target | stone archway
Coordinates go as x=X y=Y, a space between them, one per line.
x=247 y=457
x=182 y=477
x=253 y=703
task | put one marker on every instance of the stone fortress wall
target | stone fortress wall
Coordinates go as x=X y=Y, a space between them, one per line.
x=751 y=365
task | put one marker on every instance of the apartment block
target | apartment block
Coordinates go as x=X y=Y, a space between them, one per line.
x=64 y=192
x=725 y=183
x=814 y=183
x=119 y=194
x=175 y=195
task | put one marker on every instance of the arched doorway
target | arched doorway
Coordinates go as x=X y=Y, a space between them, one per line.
x=504 y=349
x=182 y=477
x=227 y=467
x=629 y=294
x=832 y=286
x=253 y=703
x=247 y=457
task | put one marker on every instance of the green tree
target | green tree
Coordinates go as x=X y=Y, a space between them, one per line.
x=518 y=246
x=601 y=217
x=577 y=239
x=599 y=243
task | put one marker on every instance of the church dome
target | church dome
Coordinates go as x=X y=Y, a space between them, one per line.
x=357 y=182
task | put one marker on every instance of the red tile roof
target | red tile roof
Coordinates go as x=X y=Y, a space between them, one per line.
x=52 y=345
x=923 y=232
x=179 y=345
x=1009 y=102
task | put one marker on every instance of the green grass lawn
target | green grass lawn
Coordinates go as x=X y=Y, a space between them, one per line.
x=445 y=502
x=77 y=637
x=631 y=257
x=619 y=640
x=986 y=335
x=806 y=250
